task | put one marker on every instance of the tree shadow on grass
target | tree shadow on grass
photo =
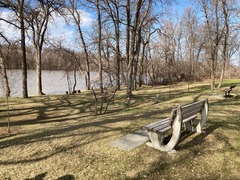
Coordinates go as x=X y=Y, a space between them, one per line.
x=201 y=138
x=43 y=135
x=59 y=103
x=43 y=175
x=66 y=177
x=38 y=177
x=41 y=113
x=49 y=134
x=65 y=132
x=58 y=150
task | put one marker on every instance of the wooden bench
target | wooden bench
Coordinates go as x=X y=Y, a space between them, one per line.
x=228 y=90
x=183 y=118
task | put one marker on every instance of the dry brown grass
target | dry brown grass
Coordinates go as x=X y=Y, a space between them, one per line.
x=55 y=137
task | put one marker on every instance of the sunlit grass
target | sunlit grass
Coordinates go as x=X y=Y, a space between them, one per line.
x=58 y=135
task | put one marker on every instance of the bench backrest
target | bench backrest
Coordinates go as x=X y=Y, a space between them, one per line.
x=189 y=110
x=192 y=109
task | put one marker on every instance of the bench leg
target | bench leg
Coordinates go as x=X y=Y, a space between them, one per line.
x=189 y=126
x=158 y=138
x=204 y=117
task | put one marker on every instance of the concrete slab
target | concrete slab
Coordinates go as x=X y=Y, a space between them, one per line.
x=131 y=141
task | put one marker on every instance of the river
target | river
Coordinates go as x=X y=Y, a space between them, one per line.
x=54 y=82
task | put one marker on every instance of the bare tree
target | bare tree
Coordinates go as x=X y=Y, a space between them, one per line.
x=113 y=9
x=145 y=41
x=139 y=18
x=23 y=45
x=107 y=48
x=3 y=68
x=72 y=63
x=213 y=33
x=74 y=9
x=18 y=7
x=228 y=11
x=99 y=42
x=38 y=20
x=190 y=24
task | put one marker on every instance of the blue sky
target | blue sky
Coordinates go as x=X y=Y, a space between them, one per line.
x=59 y=30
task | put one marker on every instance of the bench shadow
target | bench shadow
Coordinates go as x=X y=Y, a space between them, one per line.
x=201 y=138
x=197 y=140
x=228 y=96
x=164 y=163
x=199 y=143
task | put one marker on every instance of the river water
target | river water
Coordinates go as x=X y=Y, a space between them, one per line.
x=54 y=82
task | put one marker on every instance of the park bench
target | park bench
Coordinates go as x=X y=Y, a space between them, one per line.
x=228 y=90
x=183 y=118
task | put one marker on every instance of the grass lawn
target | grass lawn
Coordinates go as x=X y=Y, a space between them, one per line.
x=57 y=137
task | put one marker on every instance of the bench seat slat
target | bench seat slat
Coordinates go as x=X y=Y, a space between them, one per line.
x=159 y=128
x=165 y=129
x=150 y=126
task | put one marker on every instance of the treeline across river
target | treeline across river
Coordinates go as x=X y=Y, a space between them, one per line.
x=157 y=69
x=62 y=64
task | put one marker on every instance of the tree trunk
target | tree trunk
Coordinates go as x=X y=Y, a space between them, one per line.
x=225 y=45
x=118 y=55
x=88 y=76
x=213 y=41
x=135 y=71
x=216 y=44
x=39 y=71
x=5 y=77
x=136 y=59
x=128 y=30
x=23 y=46
x=113 y=7
x=133 y=46
x=99 y=46
x=77 y=19
x=129 y=63
x=129 y=77
x=75 y=80
x=107 y=57
x=123 y=78
x=213 y=72
x=69 y=81
x=141 y=81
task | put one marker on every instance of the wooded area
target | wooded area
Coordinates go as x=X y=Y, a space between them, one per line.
x=129 y=41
